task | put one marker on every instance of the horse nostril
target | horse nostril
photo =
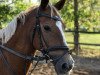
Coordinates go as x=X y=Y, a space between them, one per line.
x=66 y=67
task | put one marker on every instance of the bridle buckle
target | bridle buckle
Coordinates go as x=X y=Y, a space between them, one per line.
x=47 y=57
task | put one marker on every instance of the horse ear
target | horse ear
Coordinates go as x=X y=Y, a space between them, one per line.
x=59 y=5
x=44 y=4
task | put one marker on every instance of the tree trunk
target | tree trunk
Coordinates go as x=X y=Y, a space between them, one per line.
x=76 y=28
x=0 y=26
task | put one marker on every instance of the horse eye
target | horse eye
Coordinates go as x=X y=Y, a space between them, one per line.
x=47 y=28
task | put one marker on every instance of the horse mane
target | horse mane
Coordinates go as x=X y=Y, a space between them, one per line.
x=8 y=32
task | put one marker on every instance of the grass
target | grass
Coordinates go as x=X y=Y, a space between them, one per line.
x=85 y=38
x=90 y=38
x=86 y=50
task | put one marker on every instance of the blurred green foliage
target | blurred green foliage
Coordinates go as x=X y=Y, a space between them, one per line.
x=9 y=11
x=88 y=12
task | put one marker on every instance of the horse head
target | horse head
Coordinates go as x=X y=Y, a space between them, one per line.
x=40 y=28
x=51 y=39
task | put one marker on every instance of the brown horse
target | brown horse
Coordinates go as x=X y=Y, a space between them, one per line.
x=40 y=29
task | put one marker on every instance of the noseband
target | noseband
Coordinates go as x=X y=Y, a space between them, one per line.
x=45 y=51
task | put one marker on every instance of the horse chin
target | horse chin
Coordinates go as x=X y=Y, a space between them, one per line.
x=64 y=73
x=68 y=73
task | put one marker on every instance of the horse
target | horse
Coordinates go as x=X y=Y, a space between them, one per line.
x=39 y=28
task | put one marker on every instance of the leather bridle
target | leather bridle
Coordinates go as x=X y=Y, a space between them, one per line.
x=37 y=29
x=45 y=52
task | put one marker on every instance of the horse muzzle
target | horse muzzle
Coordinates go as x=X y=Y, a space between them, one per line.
x=64 y=65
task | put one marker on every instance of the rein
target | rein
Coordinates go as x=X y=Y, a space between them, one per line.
x=44 y=51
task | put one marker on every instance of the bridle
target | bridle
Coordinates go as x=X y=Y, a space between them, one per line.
x=41 y=38
x=45 y=52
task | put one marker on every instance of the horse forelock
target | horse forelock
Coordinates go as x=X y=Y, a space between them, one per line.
x=54 y=9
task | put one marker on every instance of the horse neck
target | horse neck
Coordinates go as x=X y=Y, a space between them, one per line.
x=20 y=42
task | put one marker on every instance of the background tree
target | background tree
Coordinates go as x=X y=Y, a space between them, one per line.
x=76 y=27
x=81 y=15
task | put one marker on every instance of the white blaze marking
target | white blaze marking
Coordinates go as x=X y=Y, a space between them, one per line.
x=59 y=25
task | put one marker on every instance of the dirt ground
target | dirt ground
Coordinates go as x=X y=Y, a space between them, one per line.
x=86 y=66
x=83 y=66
